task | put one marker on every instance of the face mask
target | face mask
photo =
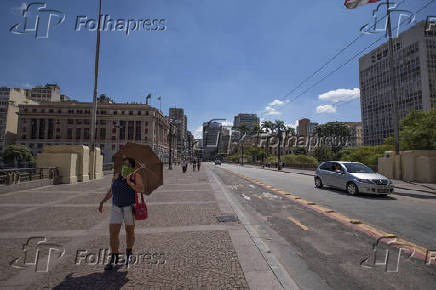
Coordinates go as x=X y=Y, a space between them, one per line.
x=126 y=170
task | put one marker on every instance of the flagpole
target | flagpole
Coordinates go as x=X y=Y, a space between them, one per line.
x=395 y=118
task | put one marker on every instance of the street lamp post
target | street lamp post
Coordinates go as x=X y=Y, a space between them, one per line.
x=94 y=103
x=170 y=161
x=393 y=82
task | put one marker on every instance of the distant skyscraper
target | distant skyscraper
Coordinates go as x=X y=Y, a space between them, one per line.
x=248 y=119
x=415 y=67
x=180 y=120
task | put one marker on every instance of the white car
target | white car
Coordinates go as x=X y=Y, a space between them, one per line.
x=354 y=177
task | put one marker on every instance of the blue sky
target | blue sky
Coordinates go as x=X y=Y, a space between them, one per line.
x=215 y=59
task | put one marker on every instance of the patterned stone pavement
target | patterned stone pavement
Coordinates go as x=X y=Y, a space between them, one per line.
x=180 y=246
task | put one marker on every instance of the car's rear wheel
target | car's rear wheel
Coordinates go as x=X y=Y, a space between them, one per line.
x=352 y=188
x=318 y=182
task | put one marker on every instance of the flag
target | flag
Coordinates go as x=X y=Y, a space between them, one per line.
x=351 y=4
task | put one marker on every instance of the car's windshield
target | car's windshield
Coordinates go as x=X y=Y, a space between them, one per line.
x=357 y=168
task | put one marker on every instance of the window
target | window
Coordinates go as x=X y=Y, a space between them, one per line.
x=86 y=133
x=138 y=130
x=146 y=113
x=113 y=146
x=130 y=130
x=70 y=121
x=326 y=166
x=139 y=113
x=70 y=133
x=41 y=129
x=130 y=112
x=78 y=133
x=102 y=133
x=122 y=130
x=78 y=121
x=50 y=132
x=146 y=131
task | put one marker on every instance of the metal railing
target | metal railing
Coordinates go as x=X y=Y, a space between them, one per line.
x=18 y=175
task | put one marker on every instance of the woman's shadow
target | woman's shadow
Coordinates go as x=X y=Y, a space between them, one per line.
x=100 y=280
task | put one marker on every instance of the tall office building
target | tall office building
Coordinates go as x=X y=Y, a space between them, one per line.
x=415 y=68
x=249 y=119
x=306 y=128
x=211 y=134
x=177 y=115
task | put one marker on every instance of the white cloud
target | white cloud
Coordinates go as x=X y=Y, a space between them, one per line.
x=278 y=103
x=292 y=125
x=269 y=111
x=198 y=133
x=326 y=109
x=227 y=123
x=340 y=95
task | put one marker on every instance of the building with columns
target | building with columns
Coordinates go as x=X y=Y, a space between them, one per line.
x=70 y=123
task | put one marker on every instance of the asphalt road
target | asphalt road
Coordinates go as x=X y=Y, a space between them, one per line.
x=321 y=253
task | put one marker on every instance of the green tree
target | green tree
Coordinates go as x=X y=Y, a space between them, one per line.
x=323 y=153
x=289 y=131
x=300 y=151
x=418 y=131
x=337 y=129
x=267 y=126
x=18 y=152
x=365 y=154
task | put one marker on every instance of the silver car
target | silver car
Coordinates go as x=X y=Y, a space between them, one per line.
x=353 y=177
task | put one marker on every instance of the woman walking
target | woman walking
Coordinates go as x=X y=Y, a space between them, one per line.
x=122 y=191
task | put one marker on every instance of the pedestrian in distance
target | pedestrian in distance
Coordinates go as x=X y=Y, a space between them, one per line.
x=198 y=165
x=193 y=165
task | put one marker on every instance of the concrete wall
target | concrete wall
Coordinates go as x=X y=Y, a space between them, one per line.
x=65 y=162
x=75 y=162
x=82 y=157
x=414 y=165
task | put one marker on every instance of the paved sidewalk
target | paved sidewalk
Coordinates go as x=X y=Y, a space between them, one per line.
x=423 y=187
x=181 y=245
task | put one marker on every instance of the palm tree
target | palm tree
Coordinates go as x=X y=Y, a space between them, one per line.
x=243 y=130
x=278 y=128
x=267 y=126
x=288 y=131
x=256 y=130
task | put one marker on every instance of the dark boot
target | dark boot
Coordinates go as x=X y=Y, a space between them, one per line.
x=114 y=261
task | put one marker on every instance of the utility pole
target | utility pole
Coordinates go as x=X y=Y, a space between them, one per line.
x=170 y=164
x=94 y=105
x=396 y=118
